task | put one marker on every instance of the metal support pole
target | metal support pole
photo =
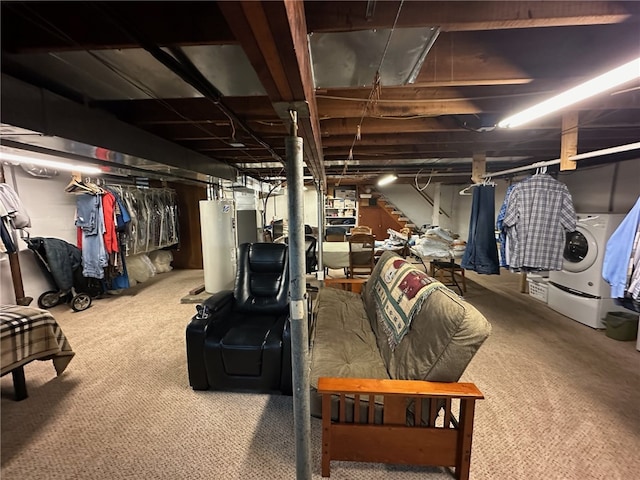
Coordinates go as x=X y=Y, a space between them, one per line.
x=298 y=305
x=321 y=202
x=435 y=217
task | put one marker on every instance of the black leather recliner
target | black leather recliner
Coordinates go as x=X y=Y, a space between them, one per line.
x=310 y=247
x=241 y=339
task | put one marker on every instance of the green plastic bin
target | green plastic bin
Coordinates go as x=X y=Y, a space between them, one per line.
x=621 y=326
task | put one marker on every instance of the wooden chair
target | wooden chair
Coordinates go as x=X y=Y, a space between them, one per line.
x=361 y=254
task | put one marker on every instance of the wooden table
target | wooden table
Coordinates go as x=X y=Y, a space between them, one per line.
x=336 y=254
x=349 y=284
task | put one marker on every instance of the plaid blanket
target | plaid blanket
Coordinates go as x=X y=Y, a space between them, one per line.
x=399 y=291
x=31 y=334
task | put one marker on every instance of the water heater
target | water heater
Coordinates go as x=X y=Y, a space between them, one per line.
x=217 y=222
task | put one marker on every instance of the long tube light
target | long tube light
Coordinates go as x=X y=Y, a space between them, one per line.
x=607 y=81
x=12 y=157
x=387 y=179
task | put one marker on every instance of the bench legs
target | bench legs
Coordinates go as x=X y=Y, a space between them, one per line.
x=463 y=452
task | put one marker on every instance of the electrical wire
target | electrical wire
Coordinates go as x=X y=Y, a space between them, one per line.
x=415 y=179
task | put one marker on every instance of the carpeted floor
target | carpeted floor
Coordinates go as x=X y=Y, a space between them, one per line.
x=562 y=400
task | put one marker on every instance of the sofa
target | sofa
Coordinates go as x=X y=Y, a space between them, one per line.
x=386 y=360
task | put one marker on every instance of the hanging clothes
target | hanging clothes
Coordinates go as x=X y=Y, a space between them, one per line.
x=14 y=210
x=481 y=254
x=90 y=219
x=621 y=263
x=539 y=213
x=108 y=208
x=502 y=229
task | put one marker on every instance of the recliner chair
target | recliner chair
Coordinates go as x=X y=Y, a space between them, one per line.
x=310 y=247
x=240 y=339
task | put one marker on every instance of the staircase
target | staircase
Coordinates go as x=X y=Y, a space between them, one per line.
x=396 y=215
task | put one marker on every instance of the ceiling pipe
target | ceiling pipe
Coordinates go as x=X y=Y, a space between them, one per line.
x=182 y=66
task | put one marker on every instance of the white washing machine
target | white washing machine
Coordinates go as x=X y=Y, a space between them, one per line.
x=578 y=290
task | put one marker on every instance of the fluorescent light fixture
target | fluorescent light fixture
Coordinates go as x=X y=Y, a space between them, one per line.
x=387 y=179
x=42 y=162
x=602 y=83
x=236 y=144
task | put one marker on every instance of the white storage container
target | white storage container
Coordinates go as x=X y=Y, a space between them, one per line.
x=538 y=289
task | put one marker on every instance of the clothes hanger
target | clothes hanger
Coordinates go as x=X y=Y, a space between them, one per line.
x=486 y=182
x=466 y=190
x=77 y=186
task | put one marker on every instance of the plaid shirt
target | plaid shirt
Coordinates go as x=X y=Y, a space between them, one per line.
x=539 y=213
x=31 y=334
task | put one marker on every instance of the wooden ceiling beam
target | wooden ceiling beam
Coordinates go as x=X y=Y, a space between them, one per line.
x=334 y=16
x=331 y=109
x=273 y=34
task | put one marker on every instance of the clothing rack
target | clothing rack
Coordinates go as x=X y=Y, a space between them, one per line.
x=581 y=156
x=522 y=169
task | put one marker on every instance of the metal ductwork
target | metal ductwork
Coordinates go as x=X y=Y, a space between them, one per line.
x=63 y=122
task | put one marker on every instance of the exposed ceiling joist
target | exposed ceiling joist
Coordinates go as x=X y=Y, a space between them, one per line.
x=274 y=36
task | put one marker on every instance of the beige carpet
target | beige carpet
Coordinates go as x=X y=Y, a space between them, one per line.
x=562 y=401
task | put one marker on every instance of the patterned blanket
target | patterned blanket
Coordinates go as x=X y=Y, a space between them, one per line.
x=28 y=334
x=399 y=291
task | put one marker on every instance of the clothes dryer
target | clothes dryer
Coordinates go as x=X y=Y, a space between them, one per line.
x=578 y=290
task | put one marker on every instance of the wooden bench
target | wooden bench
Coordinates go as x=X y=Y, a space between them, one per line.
x=447 y=444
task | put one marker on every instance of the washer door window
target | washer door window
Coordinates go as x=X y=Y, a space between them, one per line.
x=580 y=251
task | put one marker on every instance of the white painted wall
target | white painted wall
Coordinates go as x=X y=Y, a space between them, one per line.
x=409 y=201
x=610 y=188
x=52 y=213
x=277 y=207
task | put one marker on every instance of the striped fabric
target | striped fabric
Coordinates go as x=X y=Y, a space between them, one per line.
x=539 y=213
x=31 y=334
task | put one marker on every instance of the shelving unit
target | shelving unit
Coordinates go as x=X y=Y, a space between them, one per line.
x=341 y=208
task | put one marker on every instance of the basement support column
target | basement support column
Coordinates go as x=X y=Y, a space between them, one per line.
x=321 y=203
x=435 y=218
x=478 y=166
x=298 y=305
x=569 y=141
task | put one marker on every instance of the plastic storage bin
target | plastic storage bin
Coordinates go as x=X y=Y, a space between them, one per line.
x=538 y=290
x=621 y=326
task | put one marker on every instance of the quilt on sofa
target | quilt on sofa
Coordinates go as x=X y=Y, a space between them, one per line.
x=399 y=291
